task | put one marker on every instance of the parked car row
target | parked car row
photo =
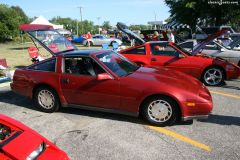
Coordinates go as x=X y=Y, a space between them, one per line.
x=96 y=40
x=211 y=71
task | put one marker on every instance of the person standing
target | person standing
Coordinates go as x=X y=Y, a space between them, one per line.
x=88 y=36
x=155 y=36
x=170 y=36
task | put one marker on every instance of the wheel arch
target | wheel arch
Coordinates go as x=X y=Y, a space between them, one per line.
x=43 y=85
x=164 y=95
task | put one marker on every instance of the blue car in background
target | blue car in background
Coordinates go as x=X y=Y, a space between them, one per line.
x=78 y=39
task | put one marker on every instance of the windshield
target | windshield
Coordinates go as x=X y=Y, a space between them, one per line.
x=184 y=50
x=117 y=63
x=54 y=41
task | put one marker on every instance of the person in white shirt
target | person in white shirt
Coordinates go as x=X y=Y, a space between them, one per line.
x=171 y=37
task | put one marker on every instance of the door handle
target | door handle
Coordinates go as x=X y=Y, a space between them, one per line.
x=65 y=80
x=153 y=59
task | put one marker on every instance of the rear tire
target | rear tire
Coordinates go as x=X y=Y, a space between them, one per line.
x=46 y=99
x=160 y=110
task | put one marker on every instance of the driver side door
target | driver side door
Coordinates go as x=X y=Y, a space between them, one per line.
x=167 y=56
x=83 y=87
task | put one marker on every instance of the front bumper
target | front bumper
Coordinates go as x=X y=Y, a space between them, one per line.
x=233 y=73
x=202 y=107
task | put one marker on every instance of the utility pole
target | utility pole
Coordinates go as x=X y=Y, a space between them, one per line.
x=80 y=9
x=155 y=18
x=98 y=18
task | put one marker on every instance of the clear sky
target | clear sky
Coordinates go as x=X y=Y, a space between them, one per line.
x=127 y=11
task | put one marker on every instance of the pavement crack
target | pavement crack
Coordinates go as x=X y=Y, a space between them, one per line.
x=83 y=133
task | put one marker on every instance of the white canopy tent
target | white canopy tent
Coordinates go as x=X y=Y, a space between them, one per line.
x=42 y=20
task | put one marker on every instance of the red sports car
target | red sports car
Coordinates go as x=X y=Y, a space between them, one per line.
x=104 y=80
x=211 y=71
x=18 y=141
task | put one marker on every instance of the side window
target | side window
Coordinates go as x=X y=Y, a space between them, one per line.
x=45 y=66
x=163 y=50
x=82 y=66
x=140 y=50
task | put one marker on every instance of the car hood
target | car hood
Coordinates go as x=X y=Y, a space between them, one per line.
x=122 y=27
x=167 y=77
x=205 y=42
x=26 y=138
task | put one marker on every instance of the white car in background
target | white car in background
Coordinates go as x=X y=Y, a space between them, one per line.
x=98 y=40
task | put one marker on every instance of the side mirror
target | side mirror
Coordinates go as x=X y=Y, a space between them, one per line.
x=103 y=76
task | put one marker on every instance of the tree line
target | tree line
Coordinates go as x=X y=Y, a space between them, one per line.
x=191 y=12
x=205 y=12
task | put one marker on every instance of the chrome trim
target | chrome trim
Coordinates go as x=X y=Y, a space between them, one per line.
x=194 y=117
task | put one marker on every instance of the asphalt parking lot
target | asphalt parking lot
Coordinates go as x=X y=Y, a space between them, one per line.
x=94 y=135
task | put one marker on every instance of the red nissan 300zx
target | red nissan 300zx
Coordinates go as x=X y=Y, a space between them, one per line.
x=211 y=71
x=18 y=142
x=104 y=80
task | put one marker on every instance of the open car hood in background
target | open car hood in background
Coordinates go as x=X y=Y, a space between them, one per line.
x=209 y=39
x=122 y=27
x=48 y=37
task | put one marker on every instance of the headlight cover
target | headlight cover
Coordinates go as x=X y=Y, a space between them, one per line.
x=36 y=152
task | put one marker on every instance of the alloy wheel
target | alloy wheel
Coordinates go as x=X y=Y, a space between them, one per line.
x=160 y=111
x=213 y=76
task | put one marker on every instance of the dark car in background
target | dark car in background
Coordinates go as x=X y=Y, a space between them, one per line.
x=78 y=39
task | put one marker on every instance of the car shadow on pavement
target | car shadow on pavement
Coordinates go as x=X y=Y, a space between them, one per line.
x=231 y=87
x=222 y=120
x=113 y=116
x=12 y=98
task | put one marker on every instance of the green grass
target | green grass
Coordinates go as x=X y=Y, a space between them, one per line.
x=17 y=55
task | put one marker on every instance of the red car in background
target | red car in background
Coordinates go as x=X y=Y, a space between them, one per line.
x=106 y=81
x=211 y=71
x=18 y=141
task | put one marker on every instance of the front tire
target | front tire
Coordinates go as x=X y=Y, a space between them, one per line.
x=46 y=99
x=160 y=110
x=213 y=76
